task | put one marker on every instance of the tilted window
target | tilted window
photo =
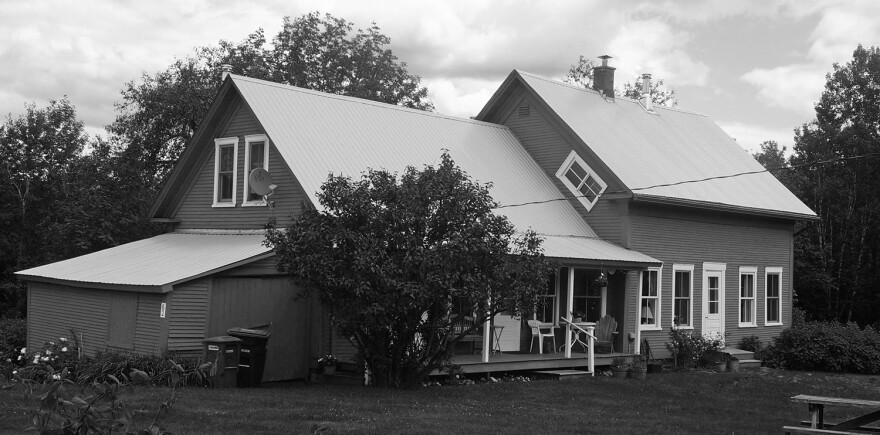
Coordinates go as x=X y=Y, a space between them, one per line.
x=773 y=296
x=256 y=156
x=581 y=180
x=225 y=171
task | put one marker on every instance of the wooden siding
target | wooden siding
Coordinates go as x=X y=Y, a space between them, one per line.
x=248 y=302
x=264 y=267
x=122 y=319
x=53 y=310
x=195 y=209
x=187 y=314
x=692 y=237
x=149 y=326
x=544 y=142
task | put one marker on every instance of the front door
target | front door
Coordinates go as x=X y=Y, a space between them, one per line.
x=713 y=301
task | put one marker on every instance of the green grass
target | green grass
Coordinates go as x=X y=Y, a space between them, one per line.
x=688 y=402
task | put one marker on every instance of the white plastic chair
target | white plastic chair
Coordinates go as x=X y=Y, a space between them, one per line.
x=538 y=332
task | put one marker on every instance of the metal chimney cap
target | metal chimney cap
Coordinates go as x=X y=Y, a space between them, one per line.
x=605 y=58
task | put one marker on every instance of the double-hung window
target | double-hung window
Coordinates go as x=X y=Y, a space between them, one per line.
x=747 y=305
x=649 y=299
x=256 y=157
x=548 y=308
x=773 y=296
x=682 y=294
x=225 y=171
x=581 y=180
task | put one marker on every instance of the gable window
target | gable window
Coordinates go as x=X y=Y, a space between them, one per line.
x=256 y=155
x=581 y=180
x=682 y=294
x=649 y=299
x=747 y=304
x=773 y=296
x=225 y=171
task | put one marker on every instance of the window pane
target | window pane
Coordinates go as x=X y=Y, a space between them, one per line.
x=256 y=155
x=648 y=311
x=594 y=185
x=682 y=311
x=713 y=307
x=572 y=178
x=579 y=171
x=747 y=286
x=772 y=310
x=745 y=311
x=772 y=285
x=225 y=187
x=649 y=283
x=226 y=158
x=682 y=284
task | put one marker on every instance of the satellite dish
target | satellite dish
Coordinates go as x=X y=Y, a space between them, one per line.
x=261 y=182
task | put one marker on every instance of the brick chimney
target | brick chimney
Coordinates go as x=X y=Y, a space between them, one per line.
x=225 y=70
x=646 y=91
x=603 y=77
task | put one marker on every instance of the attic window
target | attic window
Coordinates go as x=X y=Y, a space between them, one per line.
x=581 y=180
x=256 y=155
x=225 y=171
x=524 y=110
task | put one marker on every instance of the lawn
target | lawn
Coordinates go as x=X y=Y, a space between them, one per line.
x=686 y=402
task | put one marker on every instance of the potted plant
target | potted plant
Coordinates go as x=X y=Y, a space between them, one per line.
x=638 y=369
x=619 y=367
x=733 y=364
x=327 y=364
x=578 y=316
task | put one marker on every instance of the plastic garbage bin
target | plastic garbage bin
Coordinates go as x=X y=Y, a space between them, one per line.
x=224 y=351
x=253 y=355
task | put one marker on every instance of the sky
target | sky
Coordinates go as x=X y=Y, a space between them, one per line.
x=756 y=67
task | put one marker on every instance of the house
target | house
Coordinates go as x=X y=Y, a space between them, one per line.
x=606 y=182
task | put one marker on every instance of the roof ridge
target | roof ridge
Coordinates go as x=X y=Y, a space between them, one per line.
x=597 y=93
x=357 y=100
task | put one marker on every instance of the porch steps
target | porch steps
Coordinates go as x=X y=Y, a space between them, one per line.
x=561 y=375
x=746 y=359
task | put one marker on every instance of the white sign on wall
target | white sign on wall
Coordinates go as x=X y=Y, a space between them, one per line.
x=162 y=311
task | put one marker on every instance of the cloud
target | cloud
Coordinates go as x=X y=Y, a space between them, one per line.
x=750 y=136
x=791 y=87
x=461 y=98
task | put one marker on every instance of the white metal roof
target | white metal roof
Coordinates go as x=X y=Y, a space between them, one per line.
x=319 y=133
x=155 y=263
x=646 y=150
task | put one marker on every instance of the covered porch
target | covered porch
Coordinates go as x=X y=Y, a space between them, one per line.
x=520 y=361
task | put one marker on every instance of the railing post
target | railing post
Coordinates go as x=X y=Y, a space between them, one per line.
x=590 y=356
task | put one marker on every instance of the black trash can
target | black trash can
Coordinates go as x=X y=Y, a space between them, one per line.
x=253 y=355
x=224 y=352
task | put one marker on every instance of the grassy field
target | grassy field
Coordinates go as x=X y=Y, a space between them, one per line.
x=687 y=402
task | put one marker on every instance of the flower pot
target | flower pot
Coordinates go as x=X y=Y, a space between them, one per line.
x=640 y=373
x=721 y=366
x=733 y=366
x=619 y=372
x=330 y=368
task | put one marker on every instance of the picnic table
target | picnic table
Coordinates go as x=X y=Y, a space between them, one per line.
x=817 y=424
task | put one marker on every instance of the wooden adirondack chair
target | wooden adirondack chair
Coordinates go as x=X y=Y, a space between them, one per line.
x=606 y=329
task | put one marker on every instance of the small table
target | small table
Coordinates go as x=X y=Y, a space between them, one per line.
x=496 y=335
x=816 y=406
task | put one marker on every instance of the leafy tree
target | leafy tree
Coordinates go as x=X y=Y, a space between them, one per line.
x=581 y=74
x=842 y=251
x=394 y=258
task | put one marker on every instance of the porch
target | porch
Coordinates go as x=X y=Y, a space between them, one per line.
x=518 y=361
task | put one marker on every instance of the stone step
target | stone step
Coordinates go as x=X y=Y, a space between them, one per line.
x=561 y=374
x=739 y=353
x=749 y=363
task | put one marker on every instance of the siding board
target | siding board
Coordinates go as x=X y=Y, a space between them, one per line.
x=54 y=310
x=187 y=317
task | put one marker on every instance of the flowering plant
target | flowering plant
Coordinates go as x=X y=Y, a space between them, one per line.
x=46 y=364
x=327 y=360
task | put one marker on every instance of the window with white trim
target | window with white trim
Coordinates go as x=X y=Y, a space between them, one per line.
x=581 y=180
x=256 y=155
x=682 y=294
x=773 y=296
x=649 y=299
x=225 y=171
x=547 y=310
x=747 y=305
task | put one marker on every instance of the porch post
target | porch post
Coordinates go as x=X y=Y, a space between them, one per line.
x=569 y=307
x=487 y=329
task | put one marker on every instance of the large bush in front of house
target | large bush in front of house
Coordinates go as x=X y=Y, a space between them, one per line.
x=392 y=255
x=827 y=346
x=691 y=348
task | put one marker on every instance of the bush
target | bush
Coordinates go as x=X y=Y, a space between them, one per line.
x=826 y=346
x=689 y=347
x=168 y=369
x=751 y=343
x=13 y=335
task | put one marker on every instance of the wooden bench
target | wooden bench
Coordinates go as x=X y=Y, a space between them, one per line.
x=817 y=425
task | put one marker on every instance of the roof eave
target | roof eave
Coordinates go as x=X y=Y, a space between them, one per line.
x=723 y=207
x=97 y=285
x=607 y=264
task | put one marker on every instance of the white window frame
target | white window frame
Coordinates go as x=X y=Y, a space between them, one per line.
x=689 y=268
x=767 y=272
x=246 y=202
x=218 y=143
x=658 y=306
x=745 y=271
x=566 y=165
x=554 y=319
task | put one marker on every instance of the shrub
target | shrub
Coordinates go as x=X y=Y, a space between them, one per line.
x=689 y=347
x=41 y=365
x=168 y=369
x=826 y=346
x=751 y=343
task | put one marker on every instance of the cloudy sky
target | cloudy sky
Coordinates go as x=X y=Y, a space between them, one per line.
x=755 y=66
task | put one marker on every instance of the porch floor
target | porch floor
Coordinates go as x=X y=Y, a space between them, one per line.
x=515 y=361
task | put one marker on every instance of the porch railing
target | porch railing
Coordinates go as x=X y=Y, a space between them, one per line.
x=569 y=341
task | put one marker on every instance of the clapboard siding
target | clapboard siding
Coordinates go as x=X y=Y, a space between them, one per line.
x=53 y=310
x=195 y=209
x=187 y=317
x=550 y=149
x=264 y=267
x=253 y=301
x=695 y=238
x=149 y=325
